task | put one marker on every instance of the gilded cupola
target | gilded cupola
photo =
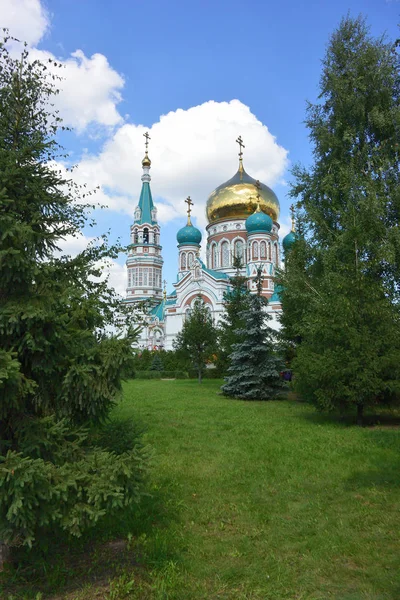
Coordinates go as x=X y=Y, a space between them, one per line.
x=237 y=198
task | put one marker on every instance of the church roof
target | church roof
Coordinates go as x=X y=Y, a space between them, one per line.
x=158 y=311
x=146 y=205
x=215 y=274
x=276 y=295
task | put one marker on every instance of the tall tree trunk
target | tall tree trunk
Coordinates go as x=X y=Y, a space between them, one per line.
x=199 y=375
x=4 y=555
x=360 y=414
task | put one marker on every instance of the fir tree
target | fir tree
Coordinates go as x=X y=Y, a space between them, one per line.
x=341 y=283
x=236 y=301
x=255 y=367
x=157 y=364
x=197 y=339
x=58 y=369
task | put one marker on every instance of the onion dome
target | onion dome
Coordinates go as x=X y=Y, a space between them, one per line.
x=258 y=222
x=146 y=162
x=292 y=236
x=189 y=235
x=289 y=240
x=236 y=199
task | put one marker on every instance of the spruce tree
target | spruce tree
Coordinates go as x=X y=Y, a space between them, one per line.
x=255 y=367
x=157 y=364
x=59 y=371
x=236 y=300
x=197 y=339
x=341 y=282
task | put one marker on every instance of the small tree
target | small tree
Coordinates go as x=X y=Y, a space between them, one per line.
x=236 y=301
x=255 y=367
x=198 y=337
x=59 y=370
x=157 y=364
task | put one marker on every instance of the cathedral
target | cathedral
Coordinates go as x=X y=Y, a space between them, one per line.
x=242 y=216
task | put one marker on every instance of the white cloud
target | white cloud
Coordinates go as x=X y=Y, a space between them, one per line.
x=192 y=151
x=286 y=226
x=27 y=20
x=89 y=89
x=72 y=245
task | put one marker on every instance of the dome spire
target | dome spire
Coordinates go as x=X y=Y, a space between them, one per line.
x=258 y=186
x=189 y=209
x=241 y=145
x=146 y=162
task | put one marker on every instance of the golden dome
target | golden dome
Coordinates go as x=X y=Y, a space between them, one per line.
x=237 y=199
x=146 y=162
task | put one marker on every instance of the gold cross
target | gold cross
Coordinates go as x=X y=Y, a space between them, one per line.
x=258 y=186
x=146 y=135
x=241 y=145
x=190 y=204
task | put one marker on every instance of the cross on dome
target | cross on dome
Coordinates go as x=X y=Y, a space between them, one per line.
x=189 y=209
x=241 y=145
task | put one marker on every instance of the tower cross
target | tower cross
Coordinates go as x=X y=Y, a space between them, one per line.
x=189 y=209
x=146 y=135
x=258 y=187
x=241 y=145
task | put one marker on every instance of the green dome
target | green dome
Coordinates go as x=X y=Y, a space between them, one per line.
x=258 y=222
x=189 y=235
x=289 y=240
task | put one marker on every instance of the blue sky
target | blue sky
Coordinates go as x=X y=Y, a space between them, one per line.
x=130 y=62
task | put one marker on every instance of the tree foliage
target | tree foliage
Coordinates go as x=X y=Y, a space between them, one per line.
x=254 y=365
x=198 y=337
x=341 y=283
x=236 y=301
x=59 y=370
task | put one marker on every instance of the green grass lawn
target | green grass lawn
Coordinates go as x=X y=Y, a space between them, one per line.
x=256 y=500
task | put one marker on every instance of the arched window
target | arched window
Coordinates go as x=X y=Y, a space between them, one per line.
x=183 y=260
x=135 y=237
x=214 y=255
x=190 y=259
x=239 y=249
x=263 y=250
x=225 y=254
x=269 y=250
x=145 y=235
x=255 y=250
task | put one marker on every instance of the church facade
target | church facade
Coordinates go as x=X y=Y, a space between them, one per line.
x=243 y=222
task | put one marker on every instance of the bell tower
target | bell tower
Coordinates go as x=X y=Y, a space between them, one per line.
x=145 y=262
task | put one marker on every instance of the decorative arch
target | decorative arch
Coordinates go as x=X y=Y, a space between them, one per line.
x=239 y=248
x=263 y=250
x=190 y=259
x=276 y=254
x=214 y=255
x=255 y=250
x=183 y=260
x=225 y=254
